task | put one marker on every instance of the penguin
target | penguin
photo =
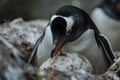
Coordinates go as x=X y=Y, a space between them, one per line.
x=106 y=16
x=70 y=30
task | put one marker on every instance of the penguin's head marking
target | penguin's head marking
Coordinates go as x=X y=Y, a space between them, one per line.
x=61 y=23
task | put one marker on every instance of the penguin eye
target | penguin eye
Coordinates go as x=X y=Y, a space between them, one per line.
x=68 y=32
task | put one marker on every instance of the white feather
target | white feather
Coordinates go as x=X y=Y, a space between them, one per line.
x=45 y=47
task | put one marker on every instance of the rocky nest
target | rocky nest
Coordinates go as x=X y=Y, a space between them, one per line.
x=17 y=39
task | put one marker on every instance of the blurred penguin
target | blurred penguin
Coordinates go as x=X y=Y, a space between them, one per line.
x=107 y=17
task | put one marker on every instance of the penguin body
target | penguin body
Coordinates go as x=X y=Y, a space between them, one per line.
x=72 y=30
x=86 y=46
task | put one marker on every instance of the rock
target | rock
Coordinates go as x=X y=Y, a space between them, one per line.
x=117 y=54
x=22 y=34
x=67 y=63
x=19 y=31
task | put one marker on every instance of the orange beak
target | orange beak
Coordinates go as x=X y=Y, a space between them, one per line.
x=57 y=48
x=118 y=6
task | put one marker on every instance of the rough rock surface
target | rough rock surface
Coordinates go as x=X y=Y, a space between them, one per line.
x=67 y=63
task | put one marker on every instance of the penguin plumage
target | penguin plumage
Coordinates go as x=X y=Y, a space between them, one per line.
x=71 y=29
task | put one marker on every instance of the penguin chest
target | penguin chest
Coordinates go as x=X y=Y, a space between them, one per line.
x=82 y=44
x=87 y=46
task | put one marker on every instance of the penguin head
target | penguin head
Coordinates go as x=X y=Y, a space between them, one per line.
x=117 y=4
x=113 y=3
x=67 y=24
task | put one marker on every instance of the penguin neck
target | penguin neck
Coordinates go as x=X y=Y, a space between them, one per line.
x=44 y=49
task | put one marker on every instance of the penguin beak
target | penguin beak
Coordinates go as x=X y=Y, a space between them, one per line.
x=57 y=48
x=118 y=6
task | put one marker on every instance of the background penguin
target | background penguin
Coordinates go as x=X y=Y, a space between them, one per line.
x=71 y=30
x=106 y=16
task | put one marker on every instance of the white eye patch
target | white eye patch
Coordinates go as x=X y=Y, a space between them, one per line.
x=69 y=21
